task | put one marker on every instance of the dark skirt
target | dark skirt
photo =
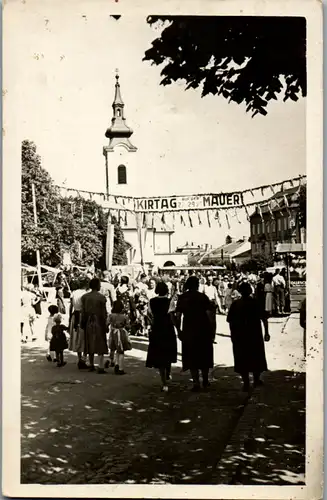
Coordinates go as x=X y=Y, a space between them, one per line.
x=197 y=354
x=58 y=343
x=95 y=336
x=249 y=352
x=162 y=350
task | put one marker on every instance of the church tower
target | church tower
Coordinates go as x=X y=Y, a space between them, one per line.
x=120 y=174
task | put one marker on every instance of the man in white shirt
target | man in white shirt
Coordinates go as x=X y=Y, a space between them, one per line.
x=211 y=292
x=279 y=286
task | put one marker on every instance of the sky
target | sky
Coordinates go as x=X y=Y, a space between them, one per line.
x=186 y=144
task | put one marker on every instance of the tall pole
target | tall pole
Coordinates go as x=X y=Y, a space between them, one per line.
x=38 y=259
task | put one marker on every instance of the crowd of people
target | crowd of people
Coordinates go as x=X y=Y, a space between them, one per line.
x=97 y=315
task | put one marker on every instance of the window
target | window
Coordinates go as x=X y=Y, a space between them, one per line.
x=122 y=178
x=286 y=223
x=279 y=224
x=118 y=113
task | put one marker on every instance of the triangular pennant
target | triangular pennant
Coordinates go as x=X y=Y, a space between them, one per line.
x=263 y=190
x=125 y=220
x=236 y=215
x=217 y=217
x=260 y=211
x=199 y=219
x=247 y=213
x=182 y=220
x=208 y=218
x=190 y=219
x=227 y=220
x=163 y=218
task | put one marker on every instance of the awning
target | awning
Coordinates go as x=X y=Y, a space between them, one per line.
x=290 y=247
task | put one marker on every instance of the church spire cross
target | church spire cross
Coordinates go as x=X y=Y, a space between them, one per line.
x=118 y=101
x=119 y=132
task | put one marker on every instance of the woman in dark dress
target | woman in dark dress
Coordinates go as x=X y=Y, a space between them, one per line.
x=162 y=350
x=244 y=317
x=195 y=332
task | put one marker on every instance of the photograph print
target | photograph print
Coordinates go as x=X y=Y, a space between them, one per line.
x=163 y=247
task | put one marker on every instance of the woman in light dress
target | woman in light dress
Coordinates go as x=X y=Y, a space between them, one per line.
x=27 y=314
x=77 y=334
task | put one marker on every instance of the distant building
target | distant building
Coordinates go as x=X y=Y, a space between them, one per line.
x=277 y=223
x=237 y=252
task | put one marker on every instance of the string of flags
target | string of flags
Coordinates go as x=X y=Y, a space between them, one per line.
x=272 y=199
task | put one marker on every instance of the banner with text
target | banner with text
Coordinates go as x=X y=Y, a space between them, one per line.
x=196 y=202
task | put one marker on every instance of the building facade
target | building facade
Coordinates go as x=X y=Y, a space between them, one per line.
x=275 y=222
x=122 y=178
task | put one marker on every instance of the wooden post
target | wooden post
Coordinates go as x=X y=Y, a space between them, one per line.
x=38 y=258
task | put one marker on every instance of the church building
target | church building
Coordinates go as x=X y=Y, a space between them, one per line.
x=123 y=176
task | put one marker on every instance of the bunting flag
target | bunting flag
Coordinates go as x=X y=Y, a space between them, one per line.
x=188 y=208
x=270 y=211
x=260 y=212
x=247 y=213
x=236 y=215
x=208 y=218
x=190 y=219
x=287 y=205
x=217 y=217
x=227 y=220
x=72 y=207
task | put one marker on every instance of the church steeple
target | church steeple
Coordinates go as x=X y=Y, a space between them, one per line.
x=119 y=133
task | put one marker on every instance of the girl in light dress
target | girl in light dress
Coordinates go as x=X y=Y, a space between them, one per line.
x=119 y=341
x=53 y=310
x=27 y=314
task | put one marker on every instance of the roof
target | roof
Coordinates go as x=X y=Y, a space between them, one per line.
x=228 y=249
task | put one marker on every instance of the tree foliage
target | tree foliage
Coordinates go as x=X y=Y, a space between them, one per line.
x=243 y=59
x=258 y=262
x=70 y=224
x=119 y=257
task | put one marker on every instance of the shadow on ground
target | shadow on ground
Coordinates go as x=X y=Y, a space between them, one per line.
x=85 y=428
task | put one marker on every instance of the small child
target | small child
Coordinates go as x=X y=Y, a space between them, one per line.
x=52 y=311
x=59 y=343
x=118 y=339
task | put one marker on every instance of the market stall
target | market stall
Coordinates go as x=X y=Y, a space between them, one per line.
x=292 y=256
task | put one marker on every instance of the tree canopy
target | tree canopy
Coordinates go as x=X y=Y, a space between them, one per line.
x=65 y=224
x=249 y=60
